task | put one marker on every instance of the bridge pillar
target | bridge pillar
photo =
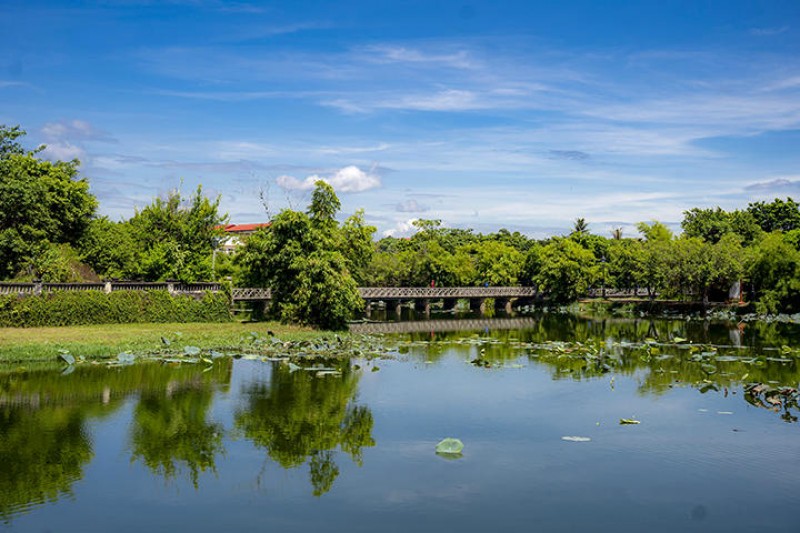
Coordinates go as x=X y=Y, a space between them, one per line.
x=477 y=304
x=423 y=305
x=368 y=308
x=398 y=308
x=504 y=304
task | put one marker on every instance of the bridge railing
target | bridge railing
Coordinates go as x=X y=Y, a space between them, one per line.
x=261 y=294
x=397 y=293
x=108 y=286
x=251 y=294
x=617 y=293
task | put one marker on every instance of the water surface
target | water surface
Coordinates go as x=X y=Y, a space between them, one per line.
x=251 y=445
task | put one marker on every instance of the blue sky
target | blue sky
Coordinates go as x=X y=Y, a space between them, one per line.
x=523 y=115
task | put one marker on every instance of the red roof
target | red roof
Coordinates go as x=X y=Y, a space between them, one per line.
x=243 y=228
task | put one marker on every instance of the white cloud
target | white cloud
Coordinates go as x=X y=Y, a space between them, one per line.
x=403 y=228
x=411 y=206
x=74 y=130
x=347 y=179
x=64 y=151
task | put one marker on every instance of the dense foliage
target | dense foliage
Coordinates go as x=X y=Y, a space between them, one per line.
x=49 y=230
x=758 y=247
x=310 y=262
x=72 y=308
x=43 y=206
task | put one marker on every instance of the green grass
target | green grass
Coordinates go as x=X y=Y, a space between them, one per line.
x=104 y=341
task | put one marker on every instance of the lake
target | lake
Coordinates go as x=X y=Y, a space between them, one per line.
x=568 y=424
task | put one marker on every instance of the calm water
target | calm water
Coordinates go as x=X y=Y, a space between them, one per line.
x=249 y=445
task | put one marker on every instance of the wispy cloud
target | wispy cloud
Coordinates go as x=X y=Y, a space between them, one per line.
x=768 y=32
x=411 y=206
x=460 y=59
x=572 y=155
x=75 y=130
x=66 y=140
x=783 y=185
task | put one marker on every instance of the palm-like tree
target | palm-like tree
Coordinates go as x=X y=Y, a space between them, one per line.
x=616 y=234
x=581 y=227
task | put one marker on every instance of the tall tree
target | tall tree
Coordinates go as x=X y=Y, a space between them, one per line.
x=706 y=224
x=776 y=215
x=41 y=204
x=654 y=231
x=580 y=227
x=298 y=257
x=174 y=237
x=566 y=270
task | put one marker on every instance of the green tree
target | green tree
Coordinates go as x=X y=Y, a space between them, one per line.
x=8 y=141
x=581 y=227
x=41 y=203
x=706 y=224
x=775 y=275
x=357 y=246
x=625 y=261
x=108 y=247
x=653 y=270
x=566 y=270
x=496 y=263
x=744 y=224
x=776 y=215
x=695 y=267
x=174 y=237
x=297 y=256
x=654 y=231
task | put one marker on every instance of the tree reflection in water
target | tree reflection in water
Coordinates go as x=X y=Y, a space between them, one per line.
x=43 y=453
x=301 y=416
x=170 y=430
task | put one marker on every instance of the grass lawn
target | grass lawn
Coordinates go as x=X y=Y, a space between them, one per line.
x=102 y=341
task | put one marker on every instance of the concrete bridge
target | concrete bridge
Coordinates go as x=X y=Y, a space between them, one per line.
x=422 y=296
x=393 y=297
x=437 y=326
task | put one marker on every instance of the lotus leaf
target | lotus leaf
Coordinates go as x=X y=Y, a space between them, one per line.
x=450 y=446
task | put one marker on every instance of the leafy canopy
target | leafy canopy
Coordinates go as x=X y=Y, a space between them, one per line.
x=310 y=263
x=42 y=204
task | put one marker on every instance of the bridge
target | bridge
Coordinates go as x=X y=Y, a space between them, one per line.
x=396 y=297
x=422 y=296
x=438 y=326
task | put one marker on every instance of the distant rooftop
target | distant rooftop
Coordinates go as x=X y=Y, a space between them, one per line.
x=244 y=228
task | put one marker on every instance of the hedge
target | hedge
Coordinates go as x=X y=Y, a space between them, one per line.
x=73 y=308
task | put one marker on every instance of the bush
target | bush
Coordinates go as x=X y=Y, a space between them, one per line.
x=73 y=308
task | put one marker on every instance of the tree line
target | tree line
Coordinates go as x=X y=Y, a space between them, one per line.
x=50 y=230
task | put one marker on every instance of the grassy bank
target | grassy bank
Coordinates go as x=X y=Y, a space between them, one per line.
x=104 y=341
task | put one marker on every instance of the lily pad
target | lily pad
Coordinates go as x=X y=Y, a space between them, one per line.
x=450 y=446
x=572 y=438
x=625 y=421
x=191 y=350
x=126 y=358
